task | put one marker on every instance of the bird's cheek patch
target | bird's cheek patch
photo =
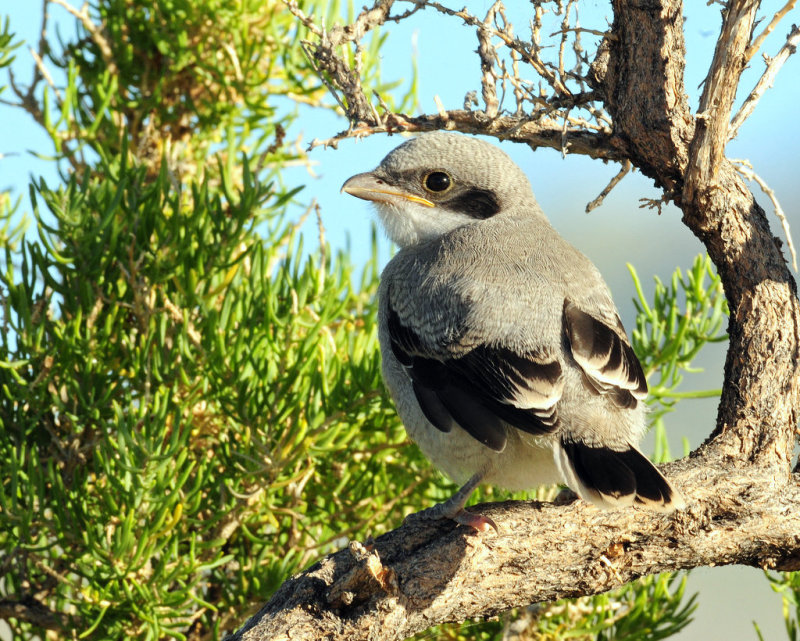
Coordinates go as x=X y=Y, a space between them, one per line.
x=475 y=203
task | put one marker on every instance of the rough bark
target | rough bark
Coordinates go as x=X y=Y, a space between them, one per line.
x=742 y=497
x=421 y=575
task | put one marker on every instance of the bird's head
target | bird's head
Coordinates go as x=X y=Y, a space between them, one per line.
x=440 y=181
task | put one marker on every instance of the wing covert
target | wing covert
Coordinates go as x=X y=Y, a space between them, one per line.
x=607 y=359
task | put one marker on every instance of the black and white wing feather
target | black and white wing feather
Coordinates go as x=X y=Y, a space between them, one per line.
x=482 y=389
x=608 y=362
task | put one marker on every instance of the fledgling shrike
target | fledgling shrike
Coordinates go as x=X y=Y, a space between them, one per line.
x=501 y=346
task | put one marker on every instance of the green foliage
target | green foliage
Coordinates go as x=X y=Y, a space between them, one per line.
x=668 y=336
x=670 y=331
x=180 y=397
x=7 y=47
x=648 y=610
x=190 y=402
x=787 y=584
x=181 y=77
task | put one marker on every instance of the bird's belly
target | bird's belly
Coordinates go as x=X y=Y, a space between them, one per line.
x=525 y=463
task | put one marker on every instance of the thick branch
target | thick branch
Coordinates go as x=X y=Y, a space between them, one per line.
x=419 y=575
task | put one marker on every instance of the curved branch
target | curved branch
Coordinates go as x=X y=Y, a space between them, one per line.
x=422 y=573
x=761 y=394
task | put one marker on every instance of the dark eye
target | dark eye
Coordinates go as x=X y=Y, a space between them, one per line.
x=437 y=181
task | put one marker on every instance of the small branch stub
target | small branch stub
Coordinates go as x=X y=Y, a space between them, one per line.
x=366 y=578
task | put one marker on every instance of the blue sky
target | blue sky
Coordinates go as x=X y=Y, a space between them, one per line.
x=616 y=233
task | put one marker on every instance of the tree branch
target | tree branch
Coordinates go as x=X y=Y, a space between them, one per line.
x=765 y=81
x=424 y=573
x=711 y=133
x=518 y=128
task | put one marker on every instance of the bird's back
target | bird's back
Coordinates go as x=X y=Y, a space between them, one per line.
x=499 y=278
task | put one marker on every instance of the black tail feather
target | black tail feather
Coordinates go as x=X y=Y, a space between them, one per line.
x=614 y=478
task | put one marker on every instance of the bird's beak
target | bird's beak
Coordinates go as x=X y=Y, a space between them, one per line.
x=369 y=187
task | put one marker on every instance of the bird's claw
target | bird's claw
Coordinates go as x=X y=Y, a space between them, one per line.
x=477 y=522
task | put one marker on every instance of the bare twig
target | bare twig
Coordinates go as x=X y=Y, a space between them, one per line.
x=27 y=96
x=95 y=32
x=44 y=72
x=656 y=203
x=626 y=167
x=309 y=53
x=707 y=148
x=43 y=46
x=488 y=56
x=176 y=314
x=332 y=67
x=440 y=108
x=765 y=82
x=594 y=32
x=513 y=77
x=307 y=21
x=529 y=54
x=323 y=252
x=367 y=20
x=564 y=132
x=563 y=43
x=746 y=169
x=758 y=41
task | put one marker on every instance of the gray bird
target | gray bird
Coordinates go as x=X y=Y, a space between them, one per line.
x=501 y=346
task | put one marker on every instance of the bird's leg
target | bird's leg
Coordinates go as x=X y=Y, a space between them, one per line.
x=453 y=508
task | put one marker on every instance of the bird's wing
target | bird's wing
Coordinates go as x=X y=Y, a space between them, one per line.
x=608 y=362
x=482 y=388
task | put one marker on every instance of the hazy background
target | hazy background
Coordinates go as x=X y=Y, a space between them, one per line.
x=616 y=233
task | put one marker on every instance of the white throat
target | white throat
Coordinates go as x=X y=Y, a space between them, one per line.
x=411 y=223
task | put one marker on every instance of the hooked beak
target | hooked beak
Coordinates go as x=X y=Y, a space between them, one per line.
x=368 y=187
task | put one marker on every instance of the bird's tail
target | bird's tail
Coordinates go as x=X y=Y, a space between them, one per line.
x=615 y=478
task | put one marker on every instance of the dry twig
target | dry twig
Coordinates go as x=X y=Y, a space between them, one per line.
x=765 y=82
x=94 y=31
x=626 y=167
x=488 y=56
x=759 y=40
x=746 y=169
x=708 y=147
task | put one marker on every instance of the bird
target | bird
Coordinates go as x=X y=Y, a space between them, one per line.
x=501 y=346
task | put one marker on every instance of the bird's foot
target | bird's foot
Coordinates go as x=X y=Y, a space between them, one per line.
x=453 y=508
x=477 y=522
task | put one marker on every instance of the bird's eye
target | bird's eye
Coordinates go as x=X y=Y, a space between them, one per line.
x=437 y=181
